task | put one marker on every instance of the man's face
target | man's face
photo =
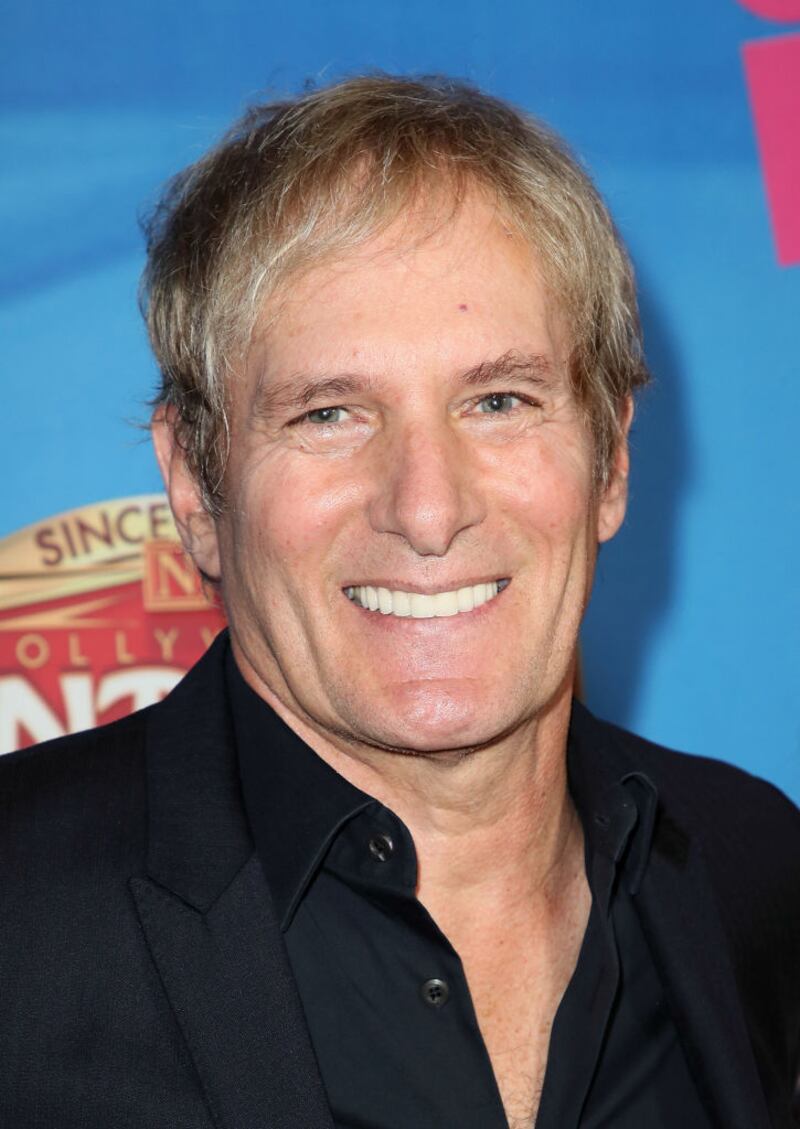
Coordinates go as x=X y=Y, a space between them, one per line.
x=404 y=433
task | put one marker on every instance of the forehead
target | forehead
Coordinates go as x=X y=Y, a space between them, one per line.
x=432 y=289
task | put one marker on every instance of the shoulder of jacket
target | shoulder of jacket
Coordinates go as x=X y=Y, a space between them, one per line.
x=65 y=755
x=73 y=799
x=729 y=810
x=699 y=778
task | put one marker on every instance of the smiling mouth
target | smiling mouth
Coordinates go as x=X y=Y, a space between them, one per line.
x=419 y=605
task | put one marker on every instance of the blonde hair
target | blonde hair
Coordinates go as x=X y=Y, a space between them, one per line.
x=297 y=180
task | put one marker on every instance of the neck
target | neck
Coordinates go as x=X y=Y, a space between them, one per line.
x=493 y=827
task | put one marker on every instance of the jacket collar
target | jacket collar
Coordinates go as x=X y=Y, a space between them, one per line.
x=199 y=838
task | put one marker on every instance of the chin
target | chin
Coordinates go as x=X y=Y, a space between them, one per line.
x=436 y=718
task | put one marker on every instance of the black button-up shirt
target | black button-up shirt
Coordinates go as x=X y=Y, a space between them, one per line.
x=383 y=990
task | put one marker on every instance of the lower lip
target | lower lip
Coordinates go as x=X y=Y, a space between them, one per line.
x=430 y=623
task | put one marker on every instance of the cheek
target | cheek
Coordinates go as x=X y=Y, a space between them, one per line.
x=548 y=491
x=292 y=516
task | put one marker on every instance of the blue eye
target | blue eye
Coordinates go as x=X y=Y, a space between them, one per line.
x=325 y=415
x=498 y=403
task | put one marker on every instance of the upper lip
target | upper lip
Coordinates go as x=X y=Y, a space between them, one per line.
x=426 y=589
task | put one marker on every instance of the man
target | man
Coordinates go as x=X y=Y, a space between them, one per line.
x=369 y=865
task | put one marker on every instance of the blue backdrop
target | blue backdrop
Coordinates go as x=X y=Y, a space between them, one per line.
x=691 y=638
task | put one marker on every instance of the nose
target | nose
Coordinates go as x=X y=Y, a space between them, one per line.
x=427 y=488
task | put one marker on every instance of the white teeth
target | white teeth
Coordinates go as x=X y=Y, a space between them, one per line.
x=420 y=606
x=446 y=603
x=401 y=603
x=466 y=599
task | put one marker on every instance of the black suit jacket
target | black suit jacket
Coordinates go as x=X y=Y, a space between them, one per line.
x=143 y=978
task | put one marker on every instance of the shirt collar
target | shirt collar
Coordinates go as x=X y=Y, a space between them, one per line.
x=297 y=804
x=617 y=807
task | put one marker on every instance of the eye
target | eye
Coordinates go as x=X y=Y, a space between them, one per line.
x=322 y=416
x=497 y=403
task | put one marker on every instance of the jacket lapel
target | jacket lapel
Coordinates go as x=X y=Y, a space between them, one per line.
x=206 y=913
x=676 y=904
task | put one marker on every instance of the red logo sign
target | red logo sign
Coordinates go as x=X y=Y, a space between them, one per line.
x=101 y=612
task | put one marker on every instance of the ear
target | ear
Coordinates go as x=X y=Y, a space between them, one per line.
x=614 y=496
x=195 y=525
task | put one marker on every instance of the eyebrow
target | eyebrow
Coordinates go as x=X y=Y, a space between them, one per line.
x=298 y=391
x=533 y=368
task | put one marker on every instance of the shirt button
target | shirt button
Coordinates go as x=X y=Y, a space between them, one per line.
x=435 y=992
x=381 y=847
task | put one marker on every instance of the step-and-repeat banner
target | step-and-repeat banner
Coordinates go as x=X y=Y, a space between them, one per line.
x=689 y=115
